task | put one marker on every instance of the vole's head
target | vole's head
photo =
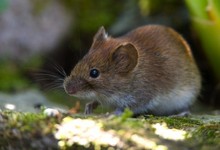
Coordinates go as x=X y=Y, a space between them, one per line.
x=104 y=70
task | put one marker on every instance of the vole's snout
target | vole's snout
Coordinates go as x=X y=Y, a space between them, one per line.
x=72 y=86
x=69 y=86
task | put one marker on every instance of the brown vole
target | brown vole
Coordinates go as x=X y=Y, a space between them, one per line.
x=149 y=70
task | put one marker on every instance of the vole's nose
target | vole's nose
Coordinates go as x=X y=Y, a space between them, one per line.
x=70 y=86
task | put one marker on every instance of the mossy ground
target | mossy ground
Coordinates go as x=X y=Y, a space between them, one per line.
x=37 y=131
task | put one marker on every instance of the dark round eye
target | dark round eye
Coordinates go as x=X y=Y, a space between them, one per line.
x=94 y=73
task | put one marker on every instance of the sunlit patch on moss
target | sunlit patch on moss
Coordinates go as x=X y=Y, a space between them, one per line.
x=147 y=143
x=84 y=132
x=172 y=134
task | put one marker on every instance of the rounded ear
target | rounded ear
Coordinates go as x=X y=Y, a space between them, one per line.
x=124 y=58
x=101 y=34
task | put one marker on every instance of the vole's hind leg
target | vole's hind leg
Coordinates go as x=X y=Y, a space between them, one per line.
x=118 y=111
x=90 y=107
x=182 y=114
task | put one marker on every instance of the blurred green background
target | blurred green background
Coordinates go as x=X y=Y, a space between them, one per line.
x=39 y=37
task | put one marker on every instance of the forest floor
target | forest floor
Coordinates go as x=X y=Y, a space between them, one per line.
x=64 y=131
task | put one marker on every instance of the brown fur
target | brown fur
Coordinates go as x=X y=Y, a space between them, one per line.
x=139 y=70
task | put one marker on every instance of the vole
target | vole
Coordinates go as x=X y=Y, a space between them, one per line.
x=150 y=70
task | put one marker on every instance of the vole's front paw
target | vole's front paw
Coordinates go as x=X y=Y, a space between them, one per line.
x=90 y=106
x=88 y=109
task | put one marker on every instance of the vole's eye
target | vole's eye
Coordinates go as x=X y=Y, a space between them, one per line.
x=94 y=73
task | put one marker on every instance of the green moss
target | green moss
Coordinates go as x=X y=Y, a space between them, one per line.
x=175 y=122
x=23 y=121
x=138 y=133
x=24 y=130
x=207 y=134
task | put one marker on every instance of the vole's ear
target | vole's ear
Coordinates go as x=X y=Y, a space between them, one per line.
x=125 y=58
x=101 y=34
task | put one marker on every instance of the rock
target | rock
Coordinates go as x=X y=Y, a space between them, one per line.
x=26 y=101
x=51 y=112
x=30 y=27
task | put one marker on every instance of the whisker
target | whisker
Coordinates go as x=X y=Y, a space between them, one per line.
x=48 y=77
x=51 y=79
x=49 y=73
x=60 y=70
x=52 y=86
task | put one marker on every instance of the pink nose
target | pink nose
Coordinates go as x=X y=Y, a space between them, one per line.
x=70 y=89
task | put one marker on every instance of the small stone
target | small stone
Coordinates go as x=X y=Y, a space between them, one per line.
x=51 y=112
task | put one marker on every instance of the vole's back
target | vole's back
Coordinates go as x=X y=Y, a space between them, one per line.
x=166 y=70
